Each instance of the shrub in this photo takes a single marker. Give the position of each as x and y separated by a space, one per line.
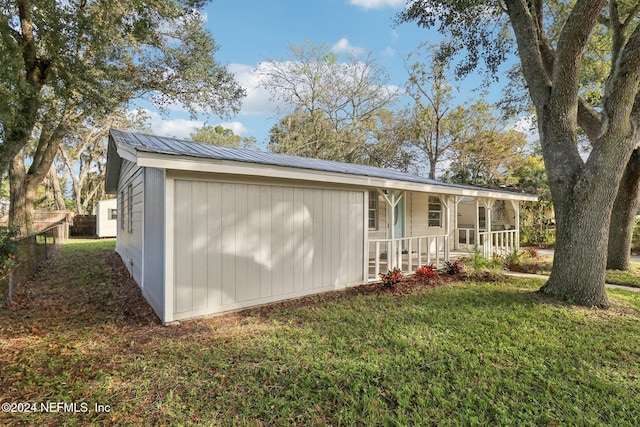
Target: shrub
391 278
8 248
453 268
426 273
531 252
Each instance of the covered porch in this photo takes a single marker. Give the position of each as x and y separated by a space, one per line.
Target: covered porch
409 229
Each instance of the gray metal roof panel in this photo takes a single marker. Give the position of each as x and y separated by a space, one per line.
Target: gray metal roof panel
172 146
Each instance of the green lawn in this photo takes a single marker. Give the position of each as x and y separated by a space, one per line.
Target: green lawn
626 278
542 265
460 354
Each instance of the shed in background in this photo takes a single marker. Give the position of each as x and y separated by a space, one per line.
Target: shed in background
107 218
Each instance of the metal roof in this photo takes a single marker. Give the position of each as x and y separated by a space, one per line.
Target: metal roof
175 147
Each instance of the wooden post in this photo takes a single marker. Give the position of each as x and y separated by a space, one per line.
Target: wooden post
10 287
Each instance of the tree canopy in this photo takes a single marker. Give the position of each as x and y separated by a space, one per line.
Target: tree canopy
552 54
334 102
64 61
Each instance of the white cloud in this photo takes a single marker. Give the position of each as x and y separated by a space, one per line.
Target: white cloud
258 99
377 4
343 46
183 128
237 127
394 35
178 128
388 51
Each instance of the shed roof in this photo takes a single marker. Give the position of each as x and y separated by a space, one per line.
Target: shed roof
138 145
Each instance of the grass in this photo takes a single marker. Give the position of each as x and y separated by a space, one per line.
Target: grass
625 278
542 265
463 354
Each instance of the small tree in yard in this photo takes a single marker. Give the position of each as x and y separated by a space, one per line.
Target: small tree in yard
583 191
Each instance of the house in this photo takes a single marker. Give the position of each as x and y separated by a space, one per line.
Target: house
205 229
107 218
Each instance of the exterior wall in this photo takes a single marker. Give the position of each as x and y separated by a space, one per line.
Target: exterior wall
237 245
153 286
416 220
129 241
106 227
418 216
381 232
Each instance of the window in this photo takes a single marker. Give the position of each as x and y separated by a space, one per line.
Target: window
121 210
373 210
130 205
112 214
482 218
435 212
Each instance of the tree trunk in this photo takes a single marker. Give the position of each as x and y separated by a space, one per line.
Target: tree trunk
623 216
432 167
23 196
580 253
583 204
57 191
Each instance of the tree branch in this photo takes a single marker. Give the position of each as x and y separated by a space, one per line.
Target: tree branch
533 67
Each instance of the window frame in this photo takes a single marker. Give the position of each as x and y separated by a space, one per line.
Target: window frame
375 209
130 205
122 209
431 213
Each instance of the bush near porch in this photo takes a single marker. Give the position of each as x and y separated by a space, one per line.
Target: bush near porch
470 353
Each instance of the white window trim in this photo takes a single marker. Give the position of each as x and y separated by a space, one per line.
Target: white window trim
130 206
429 211
373 197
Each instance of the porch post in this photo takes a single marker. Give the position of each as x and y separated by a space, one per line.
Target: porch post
456 232
476 224
488 213
392 219
516 222
446 200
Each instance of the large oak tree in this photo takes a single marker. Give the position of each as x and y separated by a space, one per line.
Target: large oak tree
64 61
583 191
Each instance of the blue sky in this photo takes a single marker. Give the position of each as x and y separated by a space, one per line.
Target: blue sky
251 31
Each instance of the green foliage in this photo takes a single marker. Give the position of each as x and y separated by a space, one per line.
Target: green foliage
217 135
65 62
478 267
538 228
487 154
635 240
8 249
625 278
474 26
453 268
391 278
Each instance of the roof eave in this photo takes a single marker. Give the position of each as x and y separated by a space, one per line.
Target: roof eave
231 167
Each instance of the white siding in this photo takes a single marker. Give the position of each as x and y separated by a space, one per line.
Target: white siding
129 244
238 245
154 239
418 215
106 227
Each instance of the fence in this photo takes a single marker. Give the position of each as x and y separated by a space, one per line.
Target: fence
84 225
31 252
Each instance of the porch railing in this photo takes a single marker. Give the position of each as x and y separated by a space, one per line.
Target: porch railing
406 253
499 242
